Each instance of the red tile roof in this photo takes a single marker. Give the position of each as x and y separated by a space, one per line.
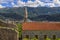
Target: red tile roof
41 26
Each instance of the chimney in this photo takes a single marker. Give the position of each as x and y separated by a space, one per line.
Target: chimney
26 15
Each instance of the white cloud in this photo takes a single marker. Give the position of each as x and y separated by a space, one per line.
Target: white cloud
40 3
36 3
20 3
32 4
53 3
2 6
56 1
29 4
14 5
3 1
50 4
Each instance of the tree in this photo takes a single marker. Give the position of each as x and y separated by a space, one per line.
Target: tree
19 29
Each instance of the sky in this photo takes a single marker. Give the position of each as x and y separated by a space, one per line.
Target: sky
29 3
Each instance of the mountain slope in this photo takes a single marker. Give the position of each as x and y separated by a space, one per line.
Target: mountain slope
35 14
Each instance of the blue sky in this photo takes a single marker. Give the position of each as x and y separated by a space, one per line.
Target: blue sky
24 0
27 0
34 0
31 3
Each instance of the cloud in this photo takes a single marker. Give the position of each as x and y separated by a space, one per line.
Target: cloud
50 4
32 4
2 6
36 3
14 5
7 3
3 1
29 4
46 3
40 3
20 3
57 3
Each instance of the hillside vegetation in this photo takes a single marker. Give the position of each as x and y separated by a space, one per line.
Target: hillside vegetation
34 14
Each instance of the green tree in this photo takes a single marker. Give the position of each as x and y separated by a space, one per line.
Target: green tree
19 29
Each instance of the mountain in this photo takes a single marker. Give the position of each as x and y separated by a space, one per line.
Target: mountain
54 17
13 16
34 13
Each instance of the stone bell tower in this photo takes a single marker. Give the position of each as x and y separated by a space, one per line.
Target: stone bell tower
26 15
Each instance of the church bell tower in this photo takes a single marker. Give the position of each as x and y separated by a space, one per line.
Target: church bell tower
26 15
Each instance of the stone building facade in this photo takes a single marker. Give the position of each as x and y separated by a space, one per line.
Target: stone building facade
8 32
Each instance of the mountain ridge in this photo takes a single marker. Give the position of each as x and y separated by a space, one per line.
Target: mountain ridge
16 13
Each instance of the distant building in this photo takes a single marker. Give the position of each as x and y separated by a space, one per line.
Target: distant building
41 28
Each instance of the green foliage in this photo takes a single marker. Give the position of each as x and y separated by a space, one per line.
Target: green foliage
19 29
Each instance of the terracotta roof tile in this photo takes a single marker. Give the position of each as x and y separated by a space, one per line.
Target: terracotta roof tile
41 26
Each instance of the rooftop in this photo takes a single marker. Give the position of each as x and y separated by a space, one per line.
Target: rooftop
41 26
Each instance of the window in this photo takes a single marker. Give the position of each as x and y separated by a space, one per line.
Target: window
54 37
36 36
27 36
45 36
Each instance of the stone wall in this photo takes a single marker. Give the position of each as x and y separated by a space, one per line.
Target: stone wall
41 34
8 34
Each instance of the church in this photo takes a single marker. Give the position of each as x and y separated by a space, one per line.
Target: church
41 29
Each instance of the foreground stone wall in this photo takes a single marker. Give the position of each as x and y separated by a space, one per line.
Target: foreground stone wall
8 34
41 34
